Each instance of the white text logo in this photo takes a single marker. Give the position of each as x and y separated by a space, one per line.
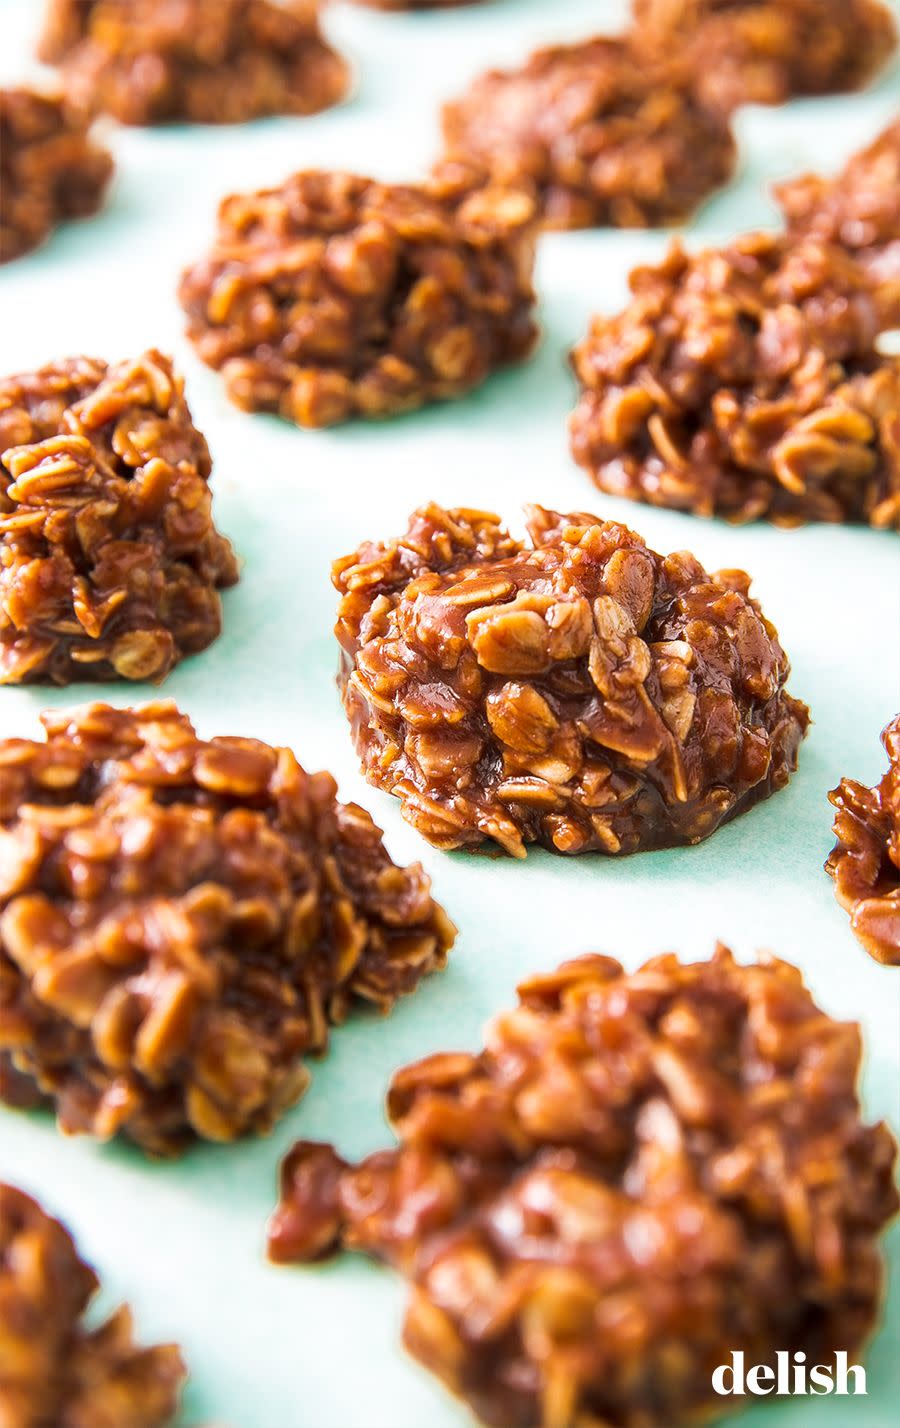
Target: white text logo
791 1375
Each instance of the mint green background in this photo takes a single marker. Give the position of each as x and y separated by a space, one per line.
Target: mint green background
184 1243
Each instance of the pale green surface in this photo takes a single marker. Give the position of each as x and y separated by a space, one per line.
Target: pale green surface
319 1348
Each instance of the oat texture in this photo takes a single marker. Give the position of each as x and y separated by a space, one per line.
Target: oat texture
865 861
180 922
768 51
601 137
746 382
51 169
110 562
638 1175
859 209
335 296
200 61
577 690
59 1366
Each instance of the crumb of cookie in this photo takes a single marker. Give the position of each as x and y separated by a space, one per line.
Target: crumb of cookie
51 169
110 563
640 1174
767 51
202 61
180 922
335 296
858 209
602 138
59 1366
745 382
865 861
576 690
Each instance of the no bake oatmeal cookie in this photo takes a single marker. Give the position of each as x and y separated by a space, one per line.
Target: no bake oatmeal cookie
599 136
767 51
51 169
745 382
181 920
336 296
576 690
865 861
640 1174
59 1366
859 209
110 563
202 61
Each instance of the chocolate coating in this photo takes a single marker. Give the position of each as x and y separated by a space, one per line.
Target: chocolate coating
577 690
181 920
638 1175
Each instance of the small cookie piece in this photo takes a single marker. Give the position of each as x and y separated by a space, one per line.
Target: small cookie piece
578 691
58 1367
110 564
200 61
865 861
180 922
51 169
859 209
336 296
767 51
745 382
639 1175
603 139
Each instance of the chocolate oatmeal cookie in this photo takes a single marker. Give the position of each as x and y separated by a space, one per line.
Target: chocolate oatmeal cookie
51 169
640 1174
202 61
576 690
180 922
745 382
865 861
336 296
767 51
859 209
110 563
600 137
59 1366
